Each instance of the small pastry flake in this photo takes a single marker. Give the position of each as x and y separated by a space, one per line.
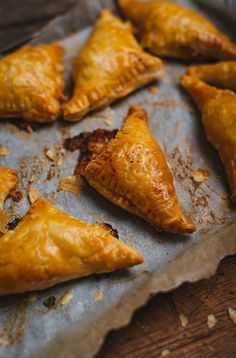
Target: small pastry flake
8 181
218 109
48 247
132 173
169 29
110 65
221 74
31 83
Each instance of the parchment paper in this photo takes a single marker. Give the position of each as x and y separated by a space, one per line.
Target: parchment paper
94 305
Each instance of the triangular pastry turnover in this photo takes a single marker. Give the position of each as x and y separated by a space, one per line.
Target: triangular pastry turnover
31 83
169 29
8 181
132 173
221 74
218 109
109 66
48 247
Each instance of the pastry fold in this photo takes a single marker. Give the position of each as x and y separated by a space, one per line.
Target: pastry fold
109 66
132 173
169 29
31 83
221 74
218 109
48 247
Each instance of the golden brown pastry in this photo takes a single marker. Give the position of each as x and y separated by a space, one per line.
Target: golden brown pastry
218 109
221 74
169 29
48 247
8 181
31 83
110 65
132 173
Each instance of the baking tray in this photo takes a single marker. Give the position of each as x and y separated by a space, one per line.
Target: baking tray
88 308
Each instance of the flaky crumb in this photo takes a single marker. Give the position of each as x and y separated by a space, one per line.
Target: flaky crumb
29 129
3 151
232 314
71 184
165 352
183 320
33 194
200 175
33 297
66 298
52 155
98 296
211 321
224 208
153 89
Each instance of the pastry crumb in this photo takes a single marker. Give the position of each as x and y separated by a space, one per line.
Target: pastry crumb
17 195
29 129
52 155
165 352
183 320
3 151
33 297
200 175
33 194
224 196
211 321
232 314
98 296
153 89
66 298
224 208
145 272
71 184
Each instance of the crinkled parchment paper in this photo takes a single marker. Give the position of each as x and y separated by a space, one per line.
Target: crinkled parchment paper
88 308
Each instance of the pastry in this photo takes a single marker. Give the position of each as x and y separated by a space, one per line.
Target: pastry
169 29
31 83
48 247
8 181
221 74
109 66
132 173
218 109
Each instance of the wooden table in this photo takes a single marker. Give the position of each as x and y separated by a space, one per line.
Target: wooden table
155 330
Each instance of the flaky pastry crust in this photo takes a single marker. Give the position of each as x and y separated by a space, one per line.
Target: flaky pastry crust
218 109
31 83
169 29
48 247
109 66
8 181
132 173
220 74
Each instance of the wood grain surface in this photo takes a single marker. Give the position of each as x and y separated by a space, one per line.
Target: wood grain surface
155 330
